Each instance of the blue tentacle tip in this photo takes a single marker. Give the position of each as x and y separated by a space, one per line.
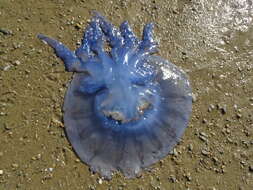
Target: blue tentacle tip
67 56
125 107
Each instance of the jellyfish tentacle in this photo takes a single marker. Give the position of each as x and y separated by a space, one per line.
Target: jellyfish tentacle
130 44
98 64
95 39
69 58
148 43
84 51
129 37
146 47
111 32
95 36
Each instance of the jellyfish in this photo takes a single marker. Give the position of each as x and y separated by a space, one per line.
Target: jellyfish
125 107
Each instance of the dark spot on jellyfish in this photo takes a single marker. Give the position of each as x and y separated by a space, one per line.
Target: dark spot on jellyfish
125 107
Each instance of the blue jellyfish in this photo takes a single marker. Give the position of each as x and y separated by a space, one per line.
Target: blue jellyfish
125 108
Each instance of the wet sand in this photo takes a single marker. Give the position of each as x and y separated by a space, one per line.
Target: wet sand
211 40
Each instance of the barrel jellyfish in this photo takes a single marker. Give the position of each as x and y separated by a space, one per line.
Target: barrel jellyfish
125 108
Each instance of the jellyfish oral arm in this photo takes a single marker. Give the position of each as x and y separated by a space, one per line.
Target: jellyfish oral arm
69 58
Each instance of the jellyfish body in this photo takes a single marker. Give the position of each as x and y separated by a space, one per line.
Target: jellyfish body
126 108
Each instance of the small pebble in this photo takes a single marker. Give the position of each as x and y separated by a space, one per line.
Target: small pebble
219 86
203 134
2 114
14 165
27 71
7 127
211 107
16 63
77 160
188 177
205 153
1 172
194 97
190 147
174 152
6 68
56 122
100 181
223 110
175 11
5 32
78 26
238 115
204 120
215 159
173 179
251 168
203 138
